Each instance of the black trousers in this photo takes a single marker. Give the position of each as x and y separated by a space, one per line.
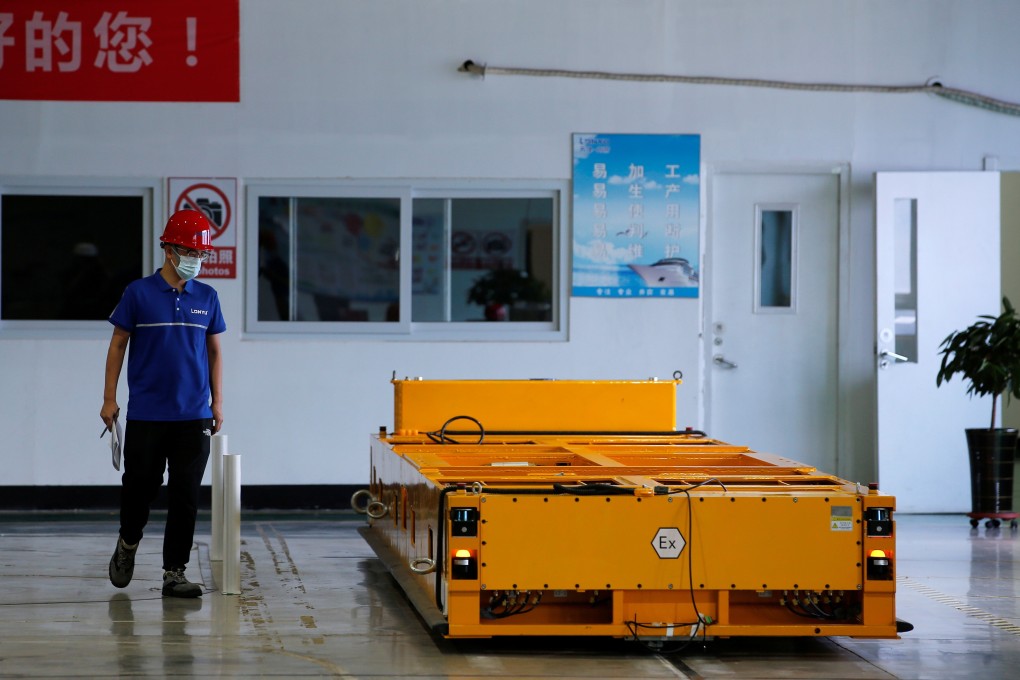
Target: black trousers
181 449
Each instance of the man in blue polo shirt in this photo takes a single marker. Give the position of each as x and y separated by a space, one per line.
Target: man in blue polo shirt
171 323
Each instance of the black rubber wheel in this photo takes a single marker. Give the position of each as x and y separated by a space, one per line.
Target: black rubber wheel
974 523
992 524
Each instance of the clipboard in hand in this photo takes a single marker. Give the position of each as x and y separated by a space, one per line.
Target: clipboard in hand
116 437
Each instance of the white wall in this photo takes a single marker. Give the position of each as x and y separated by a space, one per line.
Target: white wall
336 88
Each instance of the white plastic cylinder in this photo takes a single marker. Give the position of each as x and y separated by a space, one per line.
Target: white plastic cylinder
231 524
217 450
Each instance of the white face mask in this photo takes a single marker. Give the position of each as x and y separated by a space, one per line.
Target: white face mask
187 267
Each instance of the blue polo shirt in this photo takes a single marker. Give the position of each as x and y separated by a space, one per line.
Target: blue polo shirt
168 364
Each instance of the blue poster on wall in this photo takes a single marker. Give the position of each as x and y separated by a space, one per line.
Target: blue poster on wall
636 215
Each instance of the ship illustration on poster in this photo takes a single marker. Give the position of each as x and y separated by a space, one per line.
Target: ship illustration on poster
669 272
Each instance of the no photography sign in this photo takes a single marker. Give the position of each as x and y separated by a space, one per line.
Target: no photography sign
215 198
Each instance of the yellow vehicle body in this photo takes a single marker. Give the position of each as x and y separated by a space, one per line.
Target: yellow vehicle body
576 508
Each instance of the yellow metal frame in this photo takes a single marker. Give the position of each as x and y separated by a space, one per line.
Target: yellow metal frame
550 405
593 516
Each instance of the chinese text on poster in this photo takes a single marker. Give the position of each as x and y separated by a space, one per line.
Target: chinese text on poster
636 215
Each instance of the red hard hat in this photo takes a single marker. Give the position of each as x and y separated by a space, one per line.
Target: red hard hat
189 229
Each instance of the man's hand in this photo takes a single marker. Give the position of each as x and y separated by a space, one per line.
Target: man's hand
217 418
109 410
114 361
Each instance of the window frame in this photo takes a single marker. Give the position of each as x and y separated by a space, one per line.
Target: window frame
149 189
407 191
759 213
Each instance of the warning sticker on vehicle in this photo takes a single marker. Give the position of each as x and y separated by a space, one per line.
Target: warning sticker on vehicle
841 518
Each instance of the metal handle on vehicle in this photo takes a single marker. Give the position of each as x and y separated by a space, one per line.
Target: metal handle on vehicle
719 360
377 510
361 500
422 565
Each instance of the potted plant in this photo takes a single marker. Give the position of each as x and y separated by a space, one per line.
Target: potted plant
987 355
500 289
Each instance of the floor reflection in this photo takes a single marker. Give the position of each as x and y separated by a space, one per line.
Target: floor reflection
316 602
178 657
122 626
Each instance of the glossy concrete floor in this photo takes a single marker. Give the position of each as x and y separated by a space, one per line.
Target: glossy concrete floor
316 602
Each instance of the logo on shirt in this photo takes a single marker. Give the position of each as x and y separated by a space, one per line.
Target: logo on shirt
200 311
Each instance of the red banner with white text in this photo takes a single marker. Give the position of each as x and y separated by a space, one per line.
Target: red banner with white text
120 50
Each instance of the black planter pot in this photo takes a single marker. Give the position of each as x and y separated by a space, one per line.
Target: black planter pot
992 453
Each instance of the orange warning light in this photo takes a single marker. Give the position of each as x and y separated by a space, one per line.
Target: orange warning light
879 566
464 564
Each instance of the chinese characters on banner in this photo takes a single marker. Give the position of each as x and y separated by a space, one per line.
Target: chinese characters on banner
215 198
118 50
636 215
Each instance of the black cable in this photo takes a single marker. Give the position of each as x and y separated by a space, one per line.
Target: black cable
512 610
690 550
806 608
699 484
690 547
701 624
633 626
821 612
594 490
441 437
519 491
793 609
572 489
63 603
584 433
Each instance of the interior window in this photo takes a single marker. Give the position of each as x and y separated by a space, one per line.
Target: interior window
403 259
482 259
905 271
328 259
776 260
67 252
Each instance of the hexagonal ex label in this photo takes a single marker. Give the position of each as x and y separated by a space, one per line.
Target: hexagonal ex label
668 543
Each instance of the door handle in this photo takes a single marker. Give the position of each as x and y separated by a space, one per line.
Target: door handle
720 360
886 354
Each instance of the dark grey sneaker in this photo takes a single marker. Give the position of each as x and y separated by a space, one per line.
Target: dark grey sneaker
122 564
176 585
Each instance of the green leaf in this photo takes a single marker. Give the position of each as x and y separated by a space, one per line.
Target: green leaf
986 354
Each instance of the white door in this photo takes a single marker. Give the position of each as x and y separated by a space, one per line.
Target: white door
771 314
937 266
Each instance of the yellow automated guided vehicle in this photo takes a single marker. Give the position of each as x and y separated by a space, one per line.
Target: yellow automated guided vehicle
549 507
